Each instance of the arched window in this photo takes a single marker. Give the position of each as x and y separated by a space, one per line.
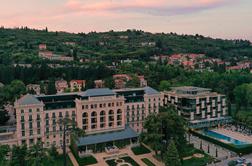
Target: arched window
94 120
119 115
111 118
102 119
119 111
85 120
93 113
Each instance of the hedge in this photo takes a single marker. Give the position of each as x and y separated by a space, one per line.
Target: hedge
83 160
139 150
239 150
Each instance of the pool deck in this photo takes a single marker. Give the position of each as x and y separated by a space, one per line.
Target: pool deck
233 134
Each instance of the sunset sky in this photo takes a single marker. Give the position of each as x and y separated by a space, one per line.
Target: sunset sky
216 18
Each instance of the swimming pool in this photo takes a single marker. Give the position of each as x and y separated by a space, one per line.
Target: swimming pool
224 138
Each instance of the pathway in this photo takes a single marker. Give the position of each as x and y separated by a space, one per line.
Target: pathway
101 162
72 158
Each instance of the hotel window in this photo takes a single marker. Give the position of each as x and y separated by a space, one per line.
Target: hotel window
38 110
30 110
100 105
23 133
109 104
31 132
60 115
119 123
83 107
92 106
38 132
47 130
112 104
85 120
38 117
53 115
23 142
22 119
119 114
67 114
47 122
93 117
22 111
47 116
86 106
54 129
22 126
31 141
30 117
30 125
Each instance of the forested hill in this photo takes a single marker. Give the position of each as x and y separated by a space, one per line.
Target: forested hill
21 45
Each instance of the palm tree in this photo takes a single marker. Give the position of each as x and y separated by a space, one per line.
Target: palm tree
37 155
69 126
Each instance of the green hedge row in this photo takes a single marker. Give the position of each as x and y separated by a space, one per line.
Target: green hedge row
246 149
84 160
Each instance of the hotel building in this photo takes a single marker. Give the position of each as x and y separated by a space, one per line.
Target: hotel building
199 106
113 115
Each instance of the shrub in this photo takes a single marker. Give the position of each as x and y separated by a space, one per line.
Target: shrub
140 150
148 162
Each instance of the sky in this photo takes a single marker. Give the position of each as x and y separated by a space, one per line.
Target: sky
229 19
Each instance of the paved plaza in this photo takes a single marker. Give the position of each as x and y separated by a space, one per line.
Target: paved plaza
126 151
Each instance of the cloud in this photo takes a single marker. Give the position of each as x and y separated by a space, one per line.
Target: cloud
152 7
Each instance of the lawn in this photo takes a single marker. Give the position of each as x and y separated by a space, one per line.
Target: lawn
59 161
87 160
140 150
189 150
126 159
197 161
147 162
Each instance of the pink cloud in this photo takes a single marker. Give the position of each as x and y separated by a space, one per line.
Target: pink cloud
155 7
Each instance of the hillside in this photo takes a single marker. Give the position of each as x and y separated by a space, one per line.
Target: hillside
21 45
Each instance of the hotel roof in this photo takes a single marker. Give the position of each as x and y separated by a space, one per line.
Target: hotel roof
28 100
190 88
107 137
98 92
148 90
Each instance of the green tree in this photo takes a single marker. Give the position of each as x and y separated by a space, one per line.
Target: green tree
164 85
134 82
153 135
19 156
172 156
51 87
37 155
4 150
4 117
53 152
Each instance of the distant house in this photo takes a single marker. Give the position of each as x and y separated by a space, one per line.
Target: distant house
119 84
148 44
33 87
188 64
61 86
42 47
123 37
77 85
121 80
142 81
70 43
99 84
46 54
